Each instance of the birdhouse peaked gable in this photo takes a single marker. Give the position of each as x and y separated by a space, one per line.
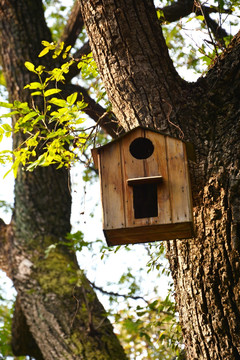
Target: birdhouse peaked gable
145 188
189 147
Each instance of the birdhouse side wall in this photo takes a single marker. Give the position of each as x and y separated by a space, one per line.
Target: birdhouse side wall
112 187
178 178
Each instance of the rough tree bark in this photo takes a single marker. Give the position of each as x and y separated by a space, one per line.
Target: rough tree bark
55 301
145 89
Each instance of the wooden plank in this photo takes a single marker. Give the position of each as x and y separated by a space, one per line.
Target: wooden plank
95 157
157 165
188 185
145 234
178 181
145 180
112 187
131 168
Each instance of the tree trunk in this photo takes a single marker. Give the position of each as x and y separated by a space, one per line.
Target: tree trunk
144 88
55 300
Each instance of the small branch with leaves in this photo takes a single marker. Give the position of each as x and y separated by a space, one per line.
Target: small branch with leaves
53 133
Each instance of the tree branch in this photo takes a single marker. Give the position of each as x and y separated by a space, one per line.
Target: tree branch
177 10
86 162
182 8
74 70
112 293
4 247
106 120
218 32
71 31
73 27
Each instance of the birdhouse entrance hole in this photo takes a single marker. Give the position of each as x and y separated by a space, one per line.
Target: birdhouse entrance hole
141 148
145 201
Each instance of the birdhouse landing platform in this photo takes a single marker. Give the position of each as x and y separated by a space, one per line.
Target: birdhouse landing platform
145 188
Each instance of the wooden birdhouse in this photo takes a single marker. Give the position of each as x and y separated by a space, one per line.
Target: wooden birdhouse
145 188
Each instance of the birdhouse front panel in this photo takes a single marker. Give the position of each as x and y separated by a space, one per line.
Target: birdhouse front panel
146 197
145 188
178 179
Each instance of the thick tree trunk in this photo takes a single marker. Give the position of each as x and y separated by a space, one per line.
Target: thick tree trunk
206 269
55 299
144 88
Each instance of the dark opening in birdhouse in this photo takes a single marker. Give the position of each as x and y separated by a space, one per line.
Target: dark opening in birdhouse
145 201
141 148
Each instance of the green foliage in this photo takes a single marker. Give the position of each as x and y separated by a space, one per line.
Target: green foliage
76 241
150 332
191 42
2 79
148 329
88 67
155 257
5 206
5 330
6 313
56 14
56 127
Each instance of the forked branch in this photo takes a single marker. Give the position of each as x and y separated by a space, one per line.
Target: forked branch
106 120
183 8
73 27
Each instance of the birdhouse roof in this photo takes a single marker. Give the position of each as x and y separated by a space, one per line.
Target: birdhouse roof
97 150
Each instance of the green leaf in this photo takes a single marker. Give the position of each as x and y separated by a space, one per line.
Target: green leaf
44 52
30 66
8 134
51 92
7 127
190 19
19 105
9 114
65 54
160 14
32 141
72 98
34 85
36 93
58 102
68 48
58 133
45 43
40 69
6 105
29 116
200 17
